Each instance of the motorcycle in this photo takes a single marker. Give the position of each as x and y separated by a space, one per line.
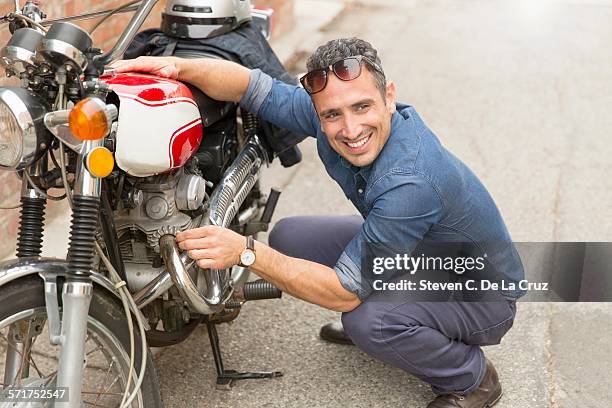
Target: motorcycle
133 157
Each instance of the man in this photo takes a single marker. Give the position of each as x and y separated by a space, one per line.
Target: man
408 188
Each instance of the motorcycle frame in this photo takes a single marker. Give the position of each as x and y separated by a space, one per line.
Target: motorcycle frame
69 329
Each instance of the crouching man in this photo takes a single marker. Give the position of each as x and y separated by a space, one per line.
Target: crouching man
407 187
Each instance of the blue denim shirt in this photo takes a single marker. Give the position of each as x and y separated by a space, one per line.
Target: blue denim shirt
414 191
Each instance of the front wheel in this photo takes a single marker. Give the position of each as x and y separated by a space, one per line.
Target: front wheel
29 360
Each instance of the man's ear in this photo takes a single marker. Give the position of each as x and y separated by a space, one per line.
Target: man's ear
390 97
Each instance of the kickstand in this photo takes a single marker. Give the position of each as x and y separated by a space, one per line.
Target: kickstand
225 378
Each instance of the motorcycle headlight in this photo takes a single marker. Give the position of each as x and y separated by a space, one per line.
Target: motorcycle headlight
22 129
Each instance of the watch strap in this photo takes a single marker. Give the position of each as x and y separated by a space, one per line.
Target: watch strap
250 246
250 243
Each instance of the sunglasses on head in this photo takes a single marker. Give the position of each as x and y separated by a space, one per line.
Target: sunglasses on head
345 69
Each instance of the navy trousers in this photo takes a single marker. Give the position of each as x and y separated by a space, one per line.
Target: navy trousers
438 342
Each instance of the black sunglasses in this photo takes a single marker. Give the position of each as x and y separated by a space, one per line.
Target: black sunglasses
345 69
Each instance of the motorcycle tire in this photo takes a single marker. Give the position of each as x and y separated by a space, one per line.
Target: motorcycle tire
27 294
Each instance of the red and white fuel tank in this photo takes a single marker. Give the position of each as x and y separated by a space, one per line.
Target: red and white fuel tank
160 126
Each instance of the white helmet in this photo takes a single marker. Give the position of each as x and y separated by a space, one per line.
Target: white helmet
204 18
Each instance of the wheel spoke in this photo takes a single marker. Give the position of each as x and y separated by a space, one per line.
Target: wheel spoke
104 376
110 366
31 357
105 392
32 362
43 354
95 404
93 350
51 377
9 344
25 357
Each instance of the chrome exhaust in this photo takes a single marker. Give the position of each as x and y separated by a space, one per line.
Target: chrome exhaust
154 289
208 303
236 184
226 200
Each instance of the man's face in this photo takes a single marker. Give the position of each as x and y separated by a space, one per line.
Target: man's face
355 116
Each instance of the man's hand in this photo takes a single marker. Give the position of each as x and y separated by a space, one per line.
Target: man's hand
219 79
212 247
165 67
219 248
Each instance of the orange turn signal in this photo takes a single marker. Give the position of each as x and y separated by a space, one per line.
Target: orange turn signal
100 162
88 120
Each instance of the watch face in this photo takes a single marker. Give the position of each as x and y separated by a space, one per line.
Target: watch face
247 257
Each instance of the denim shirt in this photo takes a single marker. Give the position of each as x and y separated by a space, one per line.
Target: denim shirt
414 191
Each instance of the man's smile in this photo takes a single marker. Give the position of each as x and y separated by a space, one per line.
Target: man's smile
359 145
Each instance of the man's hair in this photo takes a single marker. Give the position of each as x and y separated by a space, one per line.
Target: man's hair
340 48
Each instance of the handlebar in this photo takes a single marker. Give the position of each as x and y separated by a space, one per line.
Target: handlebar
126 37
128 34
86 16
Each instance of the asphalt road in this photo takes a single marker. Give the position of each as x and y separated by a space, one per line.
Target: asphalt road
521 91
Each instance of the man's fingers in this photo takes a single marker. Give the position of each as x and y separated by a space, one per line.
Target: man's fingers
121 63
206 263
153 65
196 233
169 71
123 66
191 234
194 243
138 64
197 254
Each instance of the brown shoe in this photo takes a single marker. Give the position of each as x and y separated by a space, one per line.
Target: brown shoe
334 333
486 395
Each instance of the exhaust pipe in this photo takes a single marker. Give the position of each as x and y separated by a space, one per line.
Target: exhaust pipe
208 303
238 181
226 200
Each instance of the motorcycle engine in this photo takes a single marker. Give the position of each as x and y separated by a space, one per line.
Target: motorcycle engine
151 208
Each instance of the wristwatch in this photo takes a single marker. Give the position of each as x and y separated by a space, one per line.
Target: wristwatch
247 257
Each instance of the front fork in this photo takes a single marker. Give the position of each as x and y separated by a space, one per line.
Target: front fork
78 288
29 244
76 297
70 330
